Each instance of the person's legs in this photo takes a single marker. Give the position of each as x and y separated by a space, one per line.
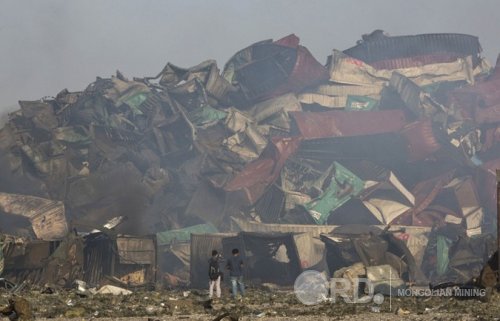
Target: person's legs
241 285
234 286
217 287
211 284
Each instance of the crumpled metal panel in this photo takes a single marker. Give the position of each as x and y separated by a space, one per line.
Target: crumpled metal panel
47 217
419 103
387 198
41 113
483 94
265 69
206 72
341 123
275 111
254 179
343 186
486 182
348 70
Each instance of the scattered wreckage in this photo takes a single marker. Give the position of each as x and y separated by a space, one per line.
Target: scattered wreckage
381 161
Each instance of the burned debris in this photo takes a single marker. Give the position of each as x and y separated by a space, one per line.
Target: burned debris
380 161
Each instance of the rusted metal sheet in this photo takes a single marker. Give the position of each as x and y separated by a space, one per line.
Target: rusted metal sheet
136 250
488 115
47 217
463 206
482 94
421 140
384 48
341 123
254 179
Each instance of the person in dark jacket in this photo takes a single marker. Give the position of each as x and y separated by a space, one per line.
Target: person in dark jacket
235 267
214 274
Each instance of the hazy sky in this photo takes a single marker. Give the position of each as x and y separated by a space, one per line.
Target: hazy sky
48 45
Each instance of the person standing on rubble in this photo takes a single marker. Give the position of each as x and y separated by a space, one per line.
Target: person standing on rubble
235 267
214 274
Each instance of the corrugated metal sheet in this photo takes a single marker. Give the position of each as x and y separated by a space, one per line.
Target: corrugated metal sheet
341 123
421 140
136 250
416 61
482 94
270 69
410 46
385 148
488 115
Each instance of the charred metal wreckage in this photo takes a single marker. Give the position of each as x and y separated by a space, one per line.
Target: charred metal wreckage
383 160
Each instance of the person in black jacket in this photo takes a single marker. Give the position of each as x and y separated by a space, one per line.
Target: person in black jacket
214 274
235 267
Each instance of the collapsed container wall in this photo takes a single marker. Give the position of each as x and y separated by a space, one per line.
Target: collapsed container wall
128 260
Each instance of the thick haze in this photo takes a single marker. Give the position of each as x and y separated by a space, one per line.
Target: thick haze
48 45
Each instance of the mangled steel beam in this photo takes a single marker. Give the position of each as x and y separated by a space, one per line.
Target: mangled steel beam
47 217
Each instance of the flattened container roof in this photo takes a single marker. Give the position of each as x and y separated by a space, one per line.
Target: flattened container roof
410 46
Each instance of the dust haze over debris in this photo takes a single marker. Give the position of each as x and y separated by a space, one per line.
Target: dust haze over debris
54 44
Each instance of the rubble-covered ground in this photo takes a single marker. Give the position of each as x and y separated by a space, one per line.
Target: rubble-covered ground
258 304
